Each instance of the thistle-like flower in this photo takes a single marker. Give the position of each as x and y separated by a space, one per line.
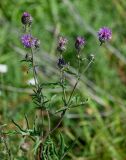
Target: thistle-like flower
79 43
62 44
26 19
28 41
104 34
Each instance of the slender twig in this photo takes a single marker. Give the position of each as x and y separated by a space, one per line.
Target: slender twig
88 66
73 91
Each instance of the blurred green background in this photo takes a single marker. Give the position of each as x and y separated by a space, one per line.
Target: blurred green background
101 124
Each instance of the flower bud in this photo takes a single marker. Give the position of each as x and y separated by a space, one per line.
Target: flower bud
62 44
61 63
79 43
37 43
26 19
91 57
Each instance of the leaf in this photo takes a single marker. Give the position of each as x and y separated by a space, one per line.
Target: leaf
22 130
68 149
62 146
53 149
37 144
53 97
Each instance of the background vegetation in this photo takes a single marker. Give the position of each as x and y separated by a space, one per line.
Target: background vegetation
101 124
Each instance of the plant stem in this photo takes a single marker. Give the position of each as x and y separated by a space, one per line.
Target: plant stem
78 58
67 103
34 70
49 122
58 124
62 80
73 91
40 148
88 66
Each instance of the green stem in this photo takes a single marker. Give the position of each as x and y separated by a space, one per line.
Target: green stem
88 66
62 85
78 57
34 71
62 79
49 124
67 103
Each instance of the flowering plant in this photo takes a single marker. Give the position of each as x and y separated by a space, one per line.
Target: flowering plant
42 132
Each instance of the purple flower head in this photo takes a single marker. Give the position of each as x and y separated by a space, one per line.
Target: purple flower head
62 44
28 41
104 34
79 43
26 18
